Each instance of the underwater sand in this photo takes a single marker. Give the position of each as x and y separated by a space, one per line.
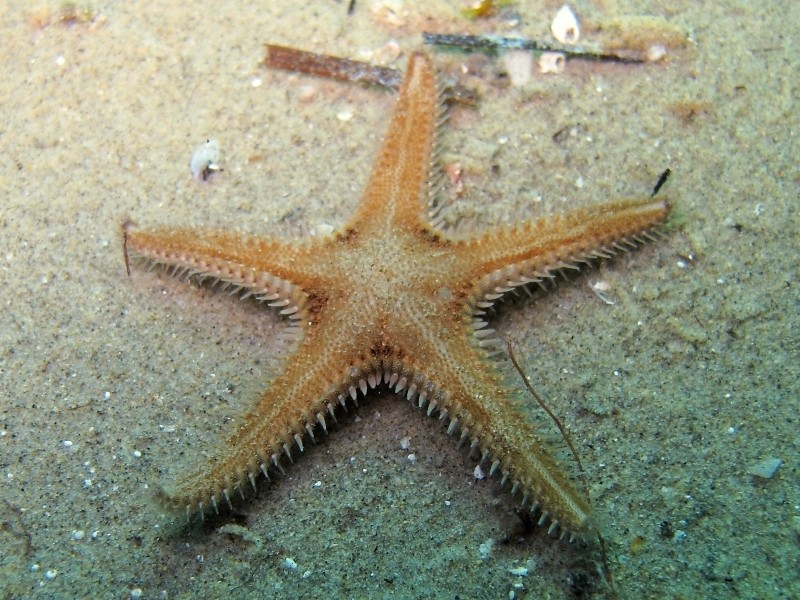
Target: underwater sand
110 385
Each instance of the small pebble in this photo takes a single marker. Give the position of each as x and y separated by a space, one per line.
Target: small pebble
601 286
387 54
50 574
412 458
766 468
323 229
307 93
290 564
77 534
485 549
478 473
136 593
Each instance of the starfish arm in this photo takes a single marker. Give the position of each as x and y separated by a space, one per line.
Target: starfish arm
296 405
451 374
401 184
272 271
533 251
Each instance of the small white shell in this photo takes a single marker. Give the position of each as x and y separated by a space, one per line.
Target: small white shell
205 160
565 26
345 114
552 62
656 52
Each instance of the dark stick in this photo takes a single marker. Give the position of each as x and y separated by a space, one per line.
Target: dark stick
501 43
661 181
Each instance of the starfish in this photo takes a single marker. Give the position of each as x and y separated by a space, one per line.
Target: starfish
392 299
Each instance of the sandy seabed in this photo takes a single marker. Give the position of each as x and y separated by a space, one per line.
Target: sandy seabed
111 384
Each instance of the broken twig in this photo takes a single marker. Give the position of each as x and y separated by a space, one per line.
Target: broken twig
345 69
661 181
332 67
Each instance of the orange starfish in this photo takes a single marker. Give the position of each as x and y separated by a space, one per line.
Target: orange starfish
390 299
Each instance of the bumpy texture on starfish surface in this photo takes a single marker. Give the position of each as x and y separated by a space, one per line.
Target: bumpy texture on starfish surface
392 299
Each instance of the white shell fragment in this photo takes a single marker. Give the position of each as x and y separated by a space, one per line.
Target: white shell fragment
205 160
565 26
656 52
600 288
552 62
519 65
